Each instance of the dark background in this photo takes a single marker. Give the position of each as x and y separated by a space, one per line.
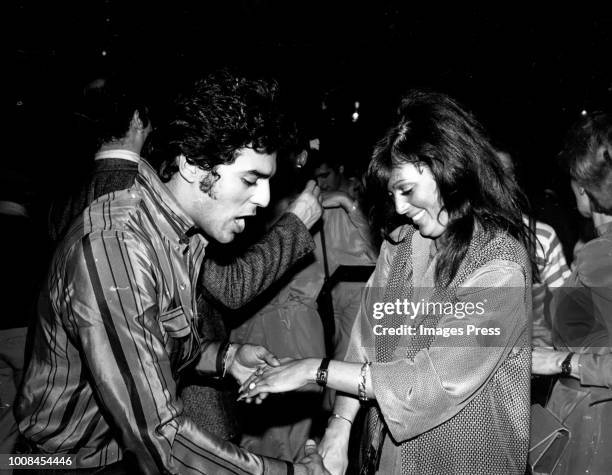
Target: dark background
526 75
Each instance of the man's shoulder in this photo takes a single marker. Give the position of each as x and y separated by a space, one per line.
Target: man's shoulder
118 216
118 211
113 210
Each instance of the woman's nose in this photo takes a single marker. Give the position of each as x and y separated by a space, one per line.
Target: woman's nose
401 205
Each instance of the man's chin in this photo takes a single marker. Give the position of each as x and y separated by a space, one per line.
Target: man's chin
226 238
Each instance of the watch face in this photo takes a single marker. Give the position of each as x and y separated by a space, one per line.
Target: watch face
322 377
566 365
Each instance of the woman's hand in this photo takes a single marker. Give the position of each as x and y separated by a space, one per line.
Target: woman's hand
547 361
334 446
244 360
289 376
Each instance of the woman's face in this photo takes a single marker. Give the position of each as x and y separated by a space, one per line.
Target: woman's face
582 200
415 194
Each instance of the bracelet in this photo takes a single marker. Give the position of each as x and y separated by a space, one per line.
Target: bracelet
338 416
361 388
566 365
221 357
321 378
226 358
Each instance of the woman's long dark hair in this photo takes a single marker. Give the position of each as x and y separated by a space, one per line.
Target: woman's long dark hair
434 131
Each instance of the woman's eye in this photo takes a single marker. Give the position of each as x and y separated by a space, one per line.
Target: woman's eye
407 191
249 183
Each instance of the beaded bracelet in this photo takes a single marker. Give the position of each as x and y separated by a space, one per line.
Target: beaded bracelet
361 388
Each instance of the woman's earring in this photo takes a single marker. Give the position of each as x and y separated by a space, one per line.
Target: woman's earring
581 191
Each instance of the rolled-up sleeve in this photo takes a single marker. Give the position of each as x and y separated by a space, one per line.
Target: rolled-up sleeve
115 319
416 395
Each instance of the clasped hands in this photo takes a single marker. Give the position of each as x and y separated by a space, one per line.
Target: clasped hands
288 375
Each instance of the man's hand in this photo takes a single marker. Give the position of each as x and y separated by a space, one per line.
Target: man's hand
312 463
246 359
334 446
307 206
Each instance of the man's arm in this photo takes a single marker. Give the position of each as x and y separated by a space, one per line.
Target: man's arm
237 283
115 320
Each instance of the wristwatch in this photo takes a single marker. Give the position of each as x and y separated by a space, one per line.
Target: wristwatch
566 365
322 372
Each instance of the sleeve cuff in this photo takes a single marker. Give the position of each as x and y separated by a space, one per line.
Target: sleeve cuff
302 237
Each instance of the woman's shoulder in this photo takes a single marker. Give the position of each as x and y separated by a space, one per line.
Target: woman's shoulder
497 273
487 246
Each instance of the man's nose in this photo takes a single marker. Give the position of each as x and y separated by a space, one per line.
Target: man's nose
261 197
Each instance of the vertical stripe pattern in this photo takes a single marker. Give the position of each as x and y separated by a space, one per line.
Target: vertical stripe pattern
116 324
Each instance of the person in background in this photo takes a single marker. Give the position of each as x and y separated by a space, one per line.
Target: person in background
348 240
22 275
117 115
552 269
582 309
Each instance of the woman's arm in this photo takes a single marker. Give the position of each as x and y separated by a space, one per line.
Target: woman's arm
291 375
334 445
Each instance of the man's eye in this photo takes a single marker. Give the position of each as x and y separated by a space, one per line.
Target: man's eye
248 182
406 191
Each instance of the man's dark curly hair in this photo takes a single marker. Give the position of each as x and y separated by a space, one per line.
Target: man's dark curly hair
218 116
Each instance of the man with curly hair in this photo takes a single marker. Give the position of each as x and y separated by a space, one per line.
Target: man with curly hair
118 320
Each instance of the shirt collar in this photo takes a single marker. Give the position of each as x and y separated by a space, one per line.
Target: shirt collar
168 214
118 153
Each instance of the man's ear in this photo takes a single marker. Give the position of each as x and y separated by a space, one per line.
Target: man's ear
190 173
136 122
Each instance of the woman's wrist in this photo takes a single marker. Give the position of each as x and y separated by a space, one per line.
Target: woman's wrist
563 363
575 366
338 430
312 369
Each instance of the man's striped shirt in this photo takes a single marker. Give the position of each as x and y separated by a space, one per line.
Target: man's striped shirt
116 325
